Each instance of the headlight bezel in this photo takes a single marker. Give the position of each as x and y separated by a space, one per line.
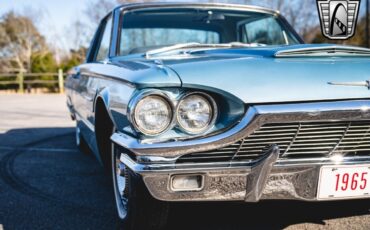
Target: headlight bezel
131 111
213 107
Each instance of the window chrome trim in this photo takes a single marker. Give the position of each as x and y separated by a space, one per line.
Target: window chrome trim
227 6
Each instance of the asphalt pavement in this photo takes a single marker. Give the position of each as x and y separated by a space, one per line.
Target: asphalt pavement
46 183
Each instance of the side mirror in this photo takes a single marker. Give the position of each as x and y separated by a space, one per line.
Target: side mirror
76 72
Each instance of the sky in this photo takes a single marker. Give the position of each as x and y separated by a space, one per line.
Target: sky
54 16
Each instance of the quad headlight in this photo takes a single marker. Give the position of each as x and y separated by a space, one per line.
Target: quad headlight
152 115
196 113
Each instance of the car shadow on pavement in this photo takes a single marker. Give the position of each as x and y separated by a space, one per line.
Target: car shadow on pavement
262 215
45 181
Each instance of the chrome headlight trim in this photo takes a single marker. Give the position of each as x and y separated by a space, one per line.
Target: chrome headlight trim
214 109
139 97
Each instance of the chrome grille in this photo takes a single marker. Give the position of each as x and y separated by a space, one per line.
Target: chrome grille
296 140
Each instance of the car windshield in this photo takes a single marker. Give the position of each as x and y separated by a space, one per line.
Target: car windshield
144 30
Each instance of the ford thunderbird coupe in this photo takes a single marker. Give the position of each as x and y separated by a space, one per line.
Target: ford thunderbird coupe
213 102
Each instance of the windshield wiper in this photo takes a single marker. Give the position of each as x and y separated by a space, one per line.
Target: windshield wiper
166 49
183 46
240 44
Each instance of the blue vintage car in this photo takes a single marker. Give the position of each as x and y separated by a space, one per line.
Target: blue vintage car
216 102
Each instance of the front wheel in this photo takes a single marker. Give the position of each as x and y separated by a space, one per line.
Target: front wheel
136 208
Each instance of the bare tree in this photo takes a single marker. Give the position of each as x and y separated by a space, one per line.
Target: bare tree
96 10
19 40
302 15
80 34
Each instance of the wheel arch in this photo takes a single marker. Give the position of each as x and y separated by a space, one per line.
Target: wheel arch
102 96
102 101
104 125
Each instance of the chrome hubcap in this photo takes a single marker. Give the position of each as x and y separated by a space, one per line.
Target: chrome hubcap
120 184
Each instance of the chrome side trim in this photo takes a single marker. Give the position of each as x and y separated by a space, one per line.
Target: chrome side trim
355 83
255 117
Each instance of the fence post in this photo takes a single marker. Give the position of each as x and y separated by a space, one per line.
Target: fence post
61 81
20 79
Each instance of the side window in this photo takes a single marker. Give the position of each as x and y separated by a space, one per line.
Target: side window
265 31
103 50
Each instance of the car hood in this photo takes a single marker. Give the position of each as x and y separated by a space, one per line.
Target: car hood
277 74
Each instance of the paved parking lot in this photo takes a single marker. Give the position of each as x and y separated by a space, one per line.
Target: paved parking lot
46 183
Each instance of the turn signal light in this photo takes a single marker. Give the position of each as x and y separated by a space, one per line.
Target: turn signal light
186 182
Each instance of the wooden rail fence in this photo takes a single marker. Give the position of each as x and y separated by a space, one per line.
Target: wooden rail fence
26 81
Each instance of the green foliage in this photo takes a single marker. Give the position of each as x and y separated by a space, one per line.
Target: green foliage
43 63
76 58
19 40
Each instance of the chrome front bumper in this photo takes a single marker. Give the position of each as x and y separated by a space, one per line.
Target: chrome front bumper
270 177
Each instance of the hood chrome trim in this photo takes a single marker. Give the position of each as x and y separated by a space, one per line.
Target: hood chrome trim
324 51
